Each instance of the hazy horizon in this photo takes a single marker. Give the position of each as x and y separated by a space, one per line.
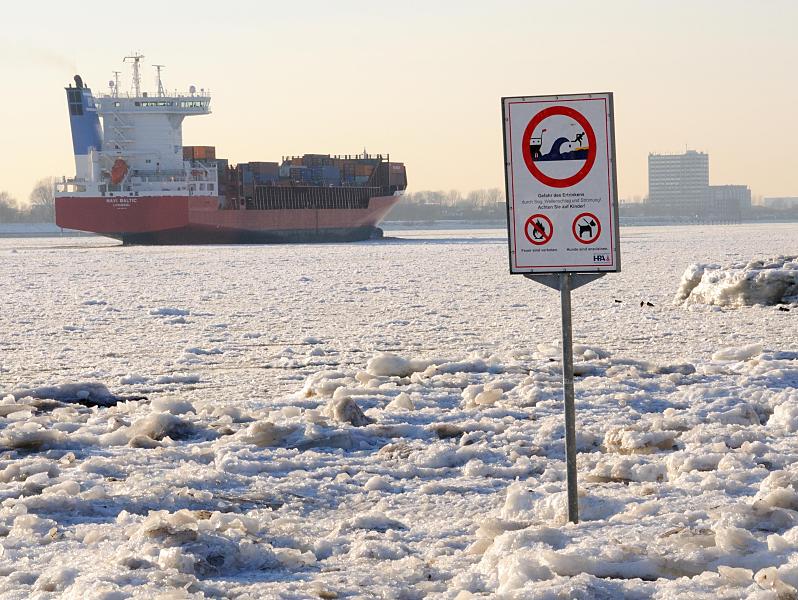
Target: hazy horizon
420 81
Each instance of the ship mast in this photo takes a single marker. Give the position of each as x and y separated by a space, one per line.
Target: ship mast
116 83
136 57
158 68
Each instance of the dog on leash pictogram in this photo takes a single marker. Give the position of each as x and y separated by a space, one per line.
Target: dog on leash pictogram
586 228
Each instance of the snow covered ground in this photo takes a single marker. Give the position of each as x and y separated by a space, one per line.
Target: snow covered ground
383 420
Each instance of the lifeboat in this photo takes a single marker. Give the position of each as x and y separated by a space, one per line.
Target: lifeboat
118 171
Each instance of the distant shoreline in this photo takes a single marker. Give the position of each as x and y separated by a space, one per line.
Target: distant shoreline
23 230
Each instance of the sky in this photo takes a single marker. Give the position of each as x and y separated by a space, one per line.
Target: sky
421 80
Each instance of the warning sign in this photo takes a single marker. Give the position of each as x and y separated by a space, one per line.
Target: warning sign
538 229
561 190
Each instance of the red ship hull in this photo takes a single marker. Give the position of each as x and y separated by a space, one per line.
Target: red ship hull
199 220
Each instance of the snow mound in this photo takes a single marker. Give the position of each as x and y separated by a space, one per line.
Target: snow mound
190 378
345 410
324 383
386 364
169 312
738 353
371 521
149 431
772 281
30 436
157 426
94 394
199 543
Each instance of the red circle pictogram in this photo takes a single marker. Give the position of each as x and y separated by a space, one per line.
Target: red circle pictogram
527 153
539 235
588 224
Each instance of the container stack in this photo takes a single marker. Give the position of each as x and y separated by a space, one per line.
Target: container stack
313 170
199 153
260 173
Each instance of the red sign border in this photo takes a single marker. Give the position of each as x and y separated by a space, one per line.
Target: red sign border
566 111
526 226
573 228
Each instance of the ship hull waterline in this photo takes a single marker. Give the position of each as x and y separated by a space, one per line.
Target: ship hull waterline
174 220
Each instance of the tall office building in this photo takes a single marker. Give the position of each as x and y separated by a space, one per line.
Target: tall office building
678 184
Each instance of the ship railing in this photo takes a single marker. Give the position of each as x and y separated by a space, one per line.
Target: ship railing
361 156
70 186
195 174
204 94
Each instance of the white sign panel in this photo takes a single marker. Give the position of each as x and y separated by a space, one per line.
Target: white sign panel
562 198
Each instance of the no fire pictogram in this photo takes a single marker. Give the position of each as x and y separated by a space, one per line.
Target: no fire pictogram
586 228
538 229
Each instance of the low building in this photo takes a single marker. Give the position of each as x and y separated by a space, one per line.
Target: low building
781 202
728 202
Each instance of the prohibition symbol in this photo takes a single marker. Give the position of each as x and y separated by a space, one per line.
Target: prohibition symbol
588 154
538 229
586 228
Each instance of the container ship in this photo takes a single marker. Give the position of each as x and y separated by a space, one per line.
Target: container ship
136 182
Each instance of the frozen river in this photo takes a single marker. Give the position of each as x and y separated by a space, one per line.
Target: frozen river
185 420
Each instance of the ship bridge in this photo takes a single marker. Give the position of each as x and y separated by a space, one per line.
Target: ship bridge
147 131
139 147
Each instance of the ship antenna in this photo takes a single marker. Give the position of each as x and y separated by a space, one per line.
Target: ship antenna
136 57
116 83
160 85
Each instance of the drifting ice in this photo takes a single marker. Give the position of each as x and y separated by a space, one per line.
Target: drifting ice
772 281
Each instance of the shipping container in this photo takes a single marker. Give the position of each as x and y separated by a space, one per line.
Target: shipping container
265 168
221 170
331 174
265 178
363 170
199 153
315 160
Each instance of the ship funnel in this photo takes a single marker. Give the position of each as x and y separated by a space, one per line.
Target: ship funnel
85 125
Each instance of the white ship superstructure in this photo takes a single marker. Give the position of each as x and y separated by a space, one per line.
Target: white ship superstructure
138 150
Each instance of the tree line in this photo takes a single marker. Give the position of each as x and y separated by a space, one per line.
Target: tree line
452 205
40 207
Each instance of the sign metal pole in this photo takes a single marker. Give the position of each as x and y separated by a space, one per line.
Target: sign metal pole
566 282
568 396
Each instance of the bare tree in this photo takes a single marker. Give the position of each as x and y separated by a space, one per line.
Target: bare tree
42 201
453 198
9 210
494 196
476 199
